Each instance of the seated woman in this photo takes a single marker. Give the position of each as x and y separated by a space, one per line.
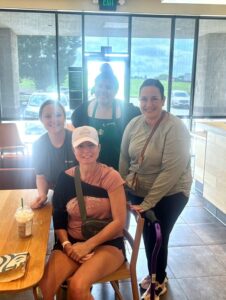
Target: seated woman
85 261
52 152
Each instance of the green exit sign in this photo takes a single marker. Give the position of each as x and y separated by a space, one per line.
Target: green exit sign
110 5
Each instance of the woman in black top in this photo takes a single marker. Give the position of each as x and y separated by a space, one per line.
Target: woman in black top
108 115
52 152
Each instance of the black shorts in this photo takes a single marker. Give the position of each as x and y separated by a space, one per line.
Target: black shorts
118 243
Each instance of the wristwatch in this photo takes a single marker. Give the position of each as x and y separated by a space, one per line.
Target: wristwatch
65 243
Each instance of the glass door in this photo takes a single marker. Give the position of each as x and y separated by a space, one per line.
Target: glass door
93 69
106 41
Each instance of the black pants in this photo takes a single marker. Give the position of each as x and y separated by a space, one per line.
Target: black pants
167 210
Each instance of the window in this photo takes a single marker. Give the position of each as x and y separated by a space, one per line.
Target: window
28 59
107 41
182 66
69 54
35 63
106 31
150 48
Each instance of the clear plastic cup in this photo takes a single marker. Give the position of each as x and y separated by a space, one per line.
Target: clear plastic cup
24 218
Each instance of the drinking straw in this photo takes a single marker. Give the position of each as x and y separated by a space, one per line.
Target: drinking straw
22 202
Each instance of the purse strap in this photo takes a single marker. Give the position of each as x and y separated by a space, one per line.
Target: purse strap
80 198
141 158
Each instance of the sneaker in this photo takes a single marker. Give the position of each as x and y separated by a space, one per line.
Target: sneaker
147 296
145 282
160 289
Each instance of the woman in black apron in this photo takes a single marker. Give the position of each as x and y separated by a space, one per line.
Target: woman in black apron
109 131
108 115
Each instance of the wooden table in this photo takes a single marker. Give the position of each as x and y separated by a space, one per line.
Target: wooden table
36 245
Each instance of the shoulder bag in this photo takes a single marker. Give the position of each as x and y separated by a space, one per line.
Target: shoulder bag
90 226
132 180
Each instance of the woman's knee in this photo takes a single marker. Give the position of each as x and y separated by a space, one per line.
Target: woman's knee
78 286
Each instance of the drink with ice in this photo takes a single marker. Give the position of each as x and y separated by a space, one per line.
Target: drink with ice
24 218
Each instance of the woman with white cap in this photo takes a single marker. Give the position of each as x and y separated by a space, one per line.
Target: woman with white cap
73 255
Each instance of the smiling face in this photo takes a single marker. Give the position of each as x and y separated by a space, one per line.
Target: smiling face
87 153
53 118
151 103
105 91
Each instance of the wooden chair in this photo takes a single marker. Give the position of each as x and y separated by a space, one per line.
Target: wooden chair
17 178
15 160
128 268
10 139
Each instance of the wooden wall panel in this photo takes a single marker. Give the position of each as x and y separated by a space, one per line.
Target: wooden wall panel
199 149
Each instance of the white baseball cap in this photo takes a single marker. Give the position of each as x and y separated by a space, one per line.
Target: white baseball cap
84 134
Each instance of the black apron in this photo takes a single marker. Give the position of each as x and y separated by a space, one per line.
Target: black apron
110 135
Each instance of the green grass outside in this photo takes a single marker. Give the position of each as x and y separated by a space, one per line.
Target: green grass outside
176 85
135 84
27 84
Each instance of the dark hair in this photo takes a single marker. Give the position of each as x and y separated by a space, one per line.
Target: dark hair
106 73
51 102
153 82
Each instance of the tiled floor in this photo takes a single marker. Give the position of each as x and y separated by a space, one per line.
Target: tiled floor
196 265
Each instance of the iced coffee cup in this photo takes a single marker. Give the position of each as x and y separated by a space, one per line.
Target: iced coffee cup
24 218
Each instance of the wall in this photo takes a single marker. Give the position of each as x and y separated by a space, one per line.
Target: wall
9 72
211 90
133 6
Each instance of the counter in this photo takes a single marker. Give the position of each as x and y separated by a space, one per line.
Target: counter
210 163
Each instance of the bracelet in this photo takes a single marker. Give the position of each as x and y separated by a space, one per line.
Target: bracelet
65 243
